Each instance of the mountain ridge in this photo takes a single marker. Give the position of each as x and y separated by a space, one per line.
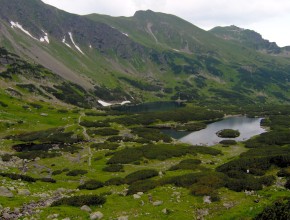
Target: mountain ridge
248 38
151 56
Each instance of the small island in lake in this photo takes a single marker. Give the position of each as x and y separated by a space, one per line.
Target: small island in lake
228 133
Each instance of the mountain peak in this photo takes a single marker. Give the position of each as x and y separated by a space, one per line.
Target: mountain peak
144 12
246 37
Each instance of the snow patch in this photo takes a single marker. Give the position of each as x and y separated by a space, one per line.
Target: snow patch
106 104
17 25
176 50
90 46
125 34
125 102
63 40
45 38
76 46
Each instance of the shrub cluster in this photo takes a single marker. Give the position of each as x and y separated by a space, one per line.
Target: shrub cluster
105 145
140 175
141 186
182 115
228 142
47 180
151 134
159 152
228 133
79 201
6 157
14 176
89 124
91 185
120 138
54 135
278 210
76 172
103 131
114 168
115 181
188 164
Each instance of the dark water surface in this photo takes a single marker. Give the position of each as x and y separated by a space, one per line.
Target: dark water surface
149 107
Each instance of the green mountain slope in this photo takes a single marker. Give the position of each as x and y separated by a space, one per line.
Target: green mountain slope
150 56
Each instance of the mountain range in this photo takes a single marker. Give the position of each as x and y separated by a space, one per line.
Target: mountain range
147 57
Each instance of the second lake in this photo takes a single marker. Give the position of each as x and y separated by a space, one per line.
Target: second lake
248 127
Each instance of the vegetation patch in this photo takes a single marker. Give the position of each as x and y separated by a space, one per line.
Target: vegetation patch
103 132
91 185
89 124
141 186
79 201
30 155
194 126
14 176
76 172
54 135
278 210
228 142
105 145
188 164
159 152
115 181
114 168
47 180
151 134
228 133
140 175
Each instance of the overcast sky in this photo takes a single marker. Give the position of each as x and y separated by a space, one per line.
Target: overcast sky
271 18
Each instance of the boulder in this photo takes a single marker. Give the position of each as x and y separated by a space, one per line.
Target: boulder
4 192
52 216
157 203
23 192
86 208
96 215
207 200
123 218
136 196
165 211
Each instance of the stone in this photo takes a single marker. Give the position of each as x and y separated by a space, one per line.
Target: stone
6 215
228 205
23 192
157 203
96 215
17 211
123 218
140 193
165 211
136 196
66 219
86 208
52 216
4 192
206 199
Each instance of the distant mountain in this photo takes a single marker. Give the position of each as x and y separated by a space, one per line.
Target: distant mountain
149 56
248 38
